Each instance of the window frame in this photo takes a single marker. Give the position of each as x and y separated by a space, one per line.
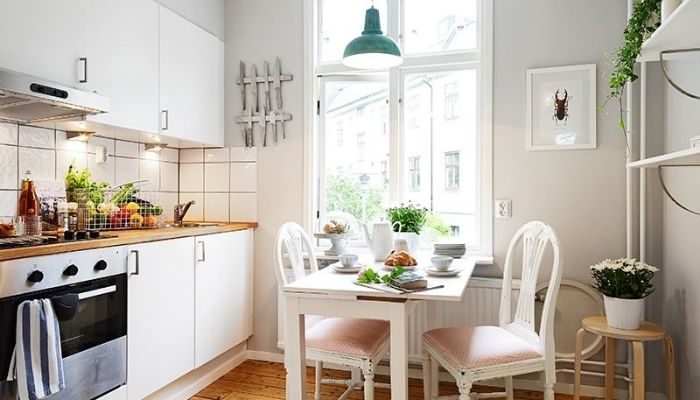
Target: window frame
454 186
480 58
414 168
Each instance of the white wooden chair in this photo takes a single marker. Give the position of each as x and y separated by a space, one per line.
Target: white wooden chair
358 343
514 347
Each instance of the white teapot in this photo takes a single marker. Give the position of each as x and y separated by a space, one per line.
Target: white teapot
381 240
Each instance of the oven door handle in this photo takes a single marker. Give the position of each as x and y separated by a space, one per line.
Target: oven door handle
97 292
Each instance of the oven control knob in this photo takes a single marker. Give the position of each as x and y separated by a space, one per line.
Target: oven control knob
101 265
35 276
71 270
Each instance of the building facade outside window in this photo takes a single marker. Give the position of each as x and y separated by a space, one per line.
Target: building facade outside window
414 171
452 171
451 101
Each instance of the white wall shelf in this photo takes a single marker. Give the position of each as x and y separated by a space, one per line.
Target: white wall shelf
682 157
680 31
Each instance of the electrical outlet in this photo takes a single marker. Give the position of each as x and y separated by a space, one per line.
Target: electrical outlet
101 155
504 208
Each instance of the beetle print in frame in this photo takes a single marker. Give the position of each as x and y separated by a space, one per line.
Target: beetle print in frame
561 108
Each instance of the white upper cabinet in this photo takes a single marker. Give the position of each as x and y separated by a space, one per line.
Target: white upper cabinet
191 81
44 38
122 61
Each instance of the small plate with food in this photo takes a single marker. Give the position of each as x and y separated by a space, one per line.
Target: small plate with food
400 259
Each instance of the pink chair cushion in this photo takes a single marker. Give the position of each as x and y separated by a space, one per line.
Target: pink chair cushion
348 336
478 347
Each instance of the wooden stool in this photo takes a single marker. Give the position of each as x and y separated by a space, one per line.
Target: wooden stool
647 332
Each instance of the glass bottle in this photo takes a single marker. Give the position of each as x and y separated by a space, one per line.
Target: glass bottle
28 204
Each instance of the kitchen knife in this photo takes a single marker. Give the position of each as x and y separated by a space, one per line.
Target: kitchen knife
273 121
262 121
268 100
278 85
254 87
242 81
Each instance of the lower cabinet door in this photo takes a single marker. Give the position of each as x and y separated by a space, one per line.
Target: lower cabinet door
223 293
160 314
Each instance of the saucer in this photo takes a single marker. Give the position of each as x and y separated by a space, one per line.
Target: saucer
450 272
338 267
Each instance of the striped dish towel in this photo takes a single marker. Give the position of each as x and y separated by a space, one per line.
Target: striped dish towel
37 363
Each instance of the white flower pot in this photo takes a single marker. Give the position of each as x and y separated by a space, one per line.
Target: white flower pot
624 313
412 240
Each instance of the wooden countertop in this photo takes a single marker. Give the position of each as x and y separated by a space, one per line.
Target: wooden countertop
124 237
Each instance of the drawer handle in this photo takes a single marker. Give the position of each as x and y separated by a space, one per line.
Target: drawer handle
83 62
201 245
164 120
137 262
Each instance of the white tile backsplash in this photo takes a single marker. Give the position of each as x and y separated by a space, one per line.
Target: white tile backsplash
216 155
8 167
244 177
40 162
196 212
69 145
31 136
126 149
191 155
127 170
171 155
243 154
243 207
169 177
149 170
170 200
216 207
216 177
8 133
191 177
8 202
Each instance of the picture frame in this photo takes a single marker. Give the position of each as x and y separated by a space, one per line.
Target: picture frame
561 121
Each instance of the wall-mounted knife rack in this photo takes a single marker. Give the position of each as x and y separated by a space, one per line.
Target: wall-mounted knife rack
267 113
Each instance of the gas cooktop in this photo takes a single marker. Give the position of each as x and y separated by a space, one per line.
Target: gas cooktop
30 241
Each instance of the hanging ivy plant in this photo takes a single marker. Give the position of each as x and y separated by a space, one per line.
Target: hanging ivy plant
645 19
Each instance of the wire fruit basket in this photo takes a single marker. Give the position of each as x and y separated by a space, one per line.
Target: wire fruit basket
128 206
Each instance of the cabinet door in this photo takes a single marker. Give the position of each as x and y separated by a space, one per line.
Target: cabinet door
160 331
122 61
191 81
223 294
43 38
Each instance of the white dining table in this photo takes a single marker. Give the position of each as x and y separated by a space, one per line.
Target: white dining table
334 294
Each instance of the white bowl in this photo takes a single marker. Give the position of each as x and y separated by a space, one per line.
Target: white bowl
348 260
441 263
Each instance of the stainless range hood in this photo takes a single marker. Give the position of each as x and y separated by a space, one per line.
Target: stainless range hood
25 99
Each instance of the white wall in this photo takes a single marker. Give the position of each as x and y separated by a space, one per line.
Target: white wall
207 14
681 278
580 193
255 32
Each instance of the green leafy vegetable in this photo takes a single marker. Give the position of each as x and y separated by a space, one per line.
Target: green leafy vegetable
411 217
125 192
79 185
371 276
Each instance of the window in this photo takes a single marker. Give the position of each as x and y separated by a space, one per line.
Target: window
452 171
361 146
339 133
414 133
414 171
451 99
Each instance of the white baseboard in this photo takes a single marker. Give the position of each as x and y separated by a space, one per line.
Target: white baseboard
524 384
190 384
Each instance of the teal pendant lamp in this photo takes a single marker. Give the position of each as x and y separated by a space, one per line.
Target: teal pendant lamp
372 50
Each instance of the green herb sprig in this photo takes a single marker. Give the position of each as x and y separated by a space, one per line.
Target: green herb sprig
371 276
411 217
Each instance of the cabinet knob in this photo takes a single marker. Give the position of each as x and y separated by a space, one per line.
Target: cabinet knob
101 265
35 276
71 270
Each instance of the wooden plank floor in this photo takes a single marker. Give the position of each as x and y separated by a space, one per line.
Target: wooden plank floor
260 380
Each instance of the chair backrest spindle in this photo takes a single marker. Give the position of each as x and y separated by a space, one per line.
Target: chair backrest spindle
293 241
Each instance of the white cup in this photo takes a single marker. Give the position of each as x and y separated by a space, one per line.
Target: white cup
348 260
441 263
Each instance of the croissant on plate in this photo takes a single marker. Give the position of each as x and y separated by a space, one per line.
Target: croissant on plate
400 258
7 230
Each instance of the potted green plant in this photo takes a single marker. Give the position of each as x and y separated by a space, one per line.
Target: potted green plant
645 19
408 219
625 283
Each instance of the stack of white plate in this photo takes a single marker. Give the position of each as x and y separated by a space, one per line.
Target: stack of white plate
455 250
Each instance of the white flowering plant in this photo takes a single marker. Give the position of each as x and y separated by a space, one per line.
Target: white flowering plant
624 278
